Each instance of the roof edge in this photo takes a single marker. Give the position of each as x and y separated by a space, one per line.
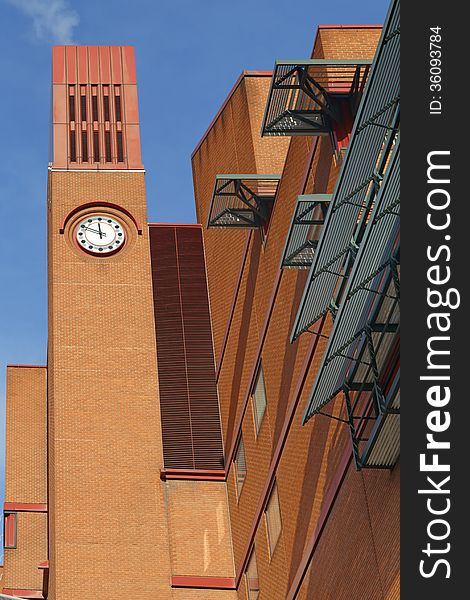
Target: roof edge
351 26
227 100
342 26
196 225
11 366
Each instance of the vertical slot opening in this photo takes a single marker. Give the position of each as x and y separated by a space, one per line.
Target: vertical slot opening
96 146
83 103
84 147
107 145
94 104
73 147
117 102
71 104
120 151
106 102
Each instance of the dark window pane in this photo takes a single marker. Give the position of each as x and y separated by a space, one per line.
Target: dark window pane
107 142
84 147
96 146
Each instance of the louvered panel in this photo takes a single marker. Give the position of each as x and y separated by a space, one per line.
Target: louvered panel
188 394
174 404
205 417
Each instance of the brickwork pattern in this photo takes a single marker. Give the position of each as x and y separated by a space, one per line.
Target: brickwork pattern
200 538
25 459
189 594
25 473
360 542
21 563
233 145
104 436
312 454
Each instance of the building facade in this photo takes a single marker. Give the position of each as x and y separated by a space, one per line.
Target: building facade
219 413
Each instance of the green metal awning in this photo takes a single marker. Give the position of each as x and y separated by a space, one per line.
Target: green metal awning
304 231
304 94
359 182
361 356
242 200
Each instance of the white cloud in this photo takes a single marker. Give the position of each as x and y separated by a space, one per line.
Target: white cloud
53 20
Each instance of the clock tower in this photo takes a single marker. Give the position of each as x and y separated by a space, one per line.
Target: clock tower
104 432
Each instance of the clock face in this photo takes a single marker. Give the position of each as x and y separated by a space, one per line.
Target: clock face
100 234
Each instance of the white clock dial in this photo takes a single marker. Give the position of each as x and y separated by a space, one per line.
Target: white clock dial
100 234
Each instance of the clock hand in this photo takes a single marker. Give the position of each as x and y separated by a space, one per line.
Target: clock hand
95 231
99 227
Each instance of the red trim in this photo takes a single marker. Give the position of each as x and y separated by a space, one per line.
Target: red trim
234 303
99 204
195 225
45 583
45 577
208 583
26 366
9 530
193 474
361 26
25 507
23 593
327 506
226 101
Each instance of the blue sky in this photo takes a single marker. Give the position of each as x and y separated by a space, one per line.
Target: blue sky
189 53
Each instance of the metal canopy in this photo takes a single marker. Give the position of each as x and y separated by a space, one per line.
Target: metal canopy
302 238
242 200
371 292
382 448
360 179
366 330
304 94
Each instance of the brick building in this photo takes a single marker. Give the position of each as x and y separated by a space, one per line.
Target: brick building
219 414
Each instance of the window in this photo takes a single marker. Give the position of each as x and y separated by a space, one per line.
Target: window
251 574
72 103
9 530
83 102
117 103
273 519
106 102
96 146
240 466
73 147
120 150
94 104
258 398
84 146
107 145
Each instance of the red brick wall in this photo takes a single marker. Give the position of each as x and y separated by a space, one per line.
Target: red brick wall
233 145
107 512
25 474
312 454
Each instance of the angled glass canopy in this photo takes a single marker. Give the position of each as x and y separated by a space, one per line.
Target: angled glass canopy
304 231
306 95
242 200
361 177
